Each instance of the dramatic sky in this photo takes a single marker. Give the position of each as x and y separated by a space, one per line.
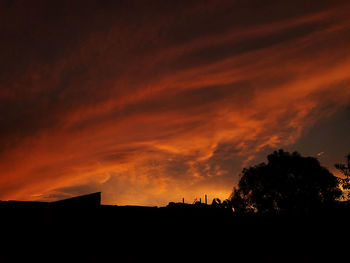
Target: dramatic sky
152 101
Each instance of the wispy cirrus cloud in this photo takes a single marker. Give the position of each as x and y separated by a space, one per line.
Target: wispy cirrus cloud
150 104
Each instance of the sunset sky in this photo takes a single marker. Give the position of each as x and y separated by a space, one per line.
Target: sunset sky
152 101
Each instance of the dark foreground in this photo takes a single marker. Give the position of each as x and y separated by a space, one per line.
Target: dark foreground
101 233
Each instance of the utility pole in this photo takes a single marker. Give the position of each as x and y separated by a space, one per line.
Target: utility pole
206 200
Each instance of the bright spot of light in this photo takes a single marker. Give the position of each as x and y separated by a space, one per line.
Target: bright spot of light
320 154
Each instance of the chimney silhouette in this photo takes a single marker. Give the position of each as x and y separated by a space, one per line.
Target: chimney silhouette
183 200
206 199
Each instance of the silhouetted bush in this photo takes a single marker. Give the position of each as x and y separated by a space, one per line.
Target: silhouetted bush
345 170
287 184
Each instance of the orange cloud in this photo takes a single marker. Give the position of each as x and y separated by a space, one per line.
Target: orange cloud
154 108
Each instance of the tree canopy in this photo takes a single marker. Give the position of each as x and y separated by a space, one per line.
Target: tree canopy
345 170
288 183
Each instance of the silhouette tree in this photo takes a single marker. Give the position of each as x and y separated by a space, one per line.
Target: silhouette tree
227 204
216 202
345 170
288 183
